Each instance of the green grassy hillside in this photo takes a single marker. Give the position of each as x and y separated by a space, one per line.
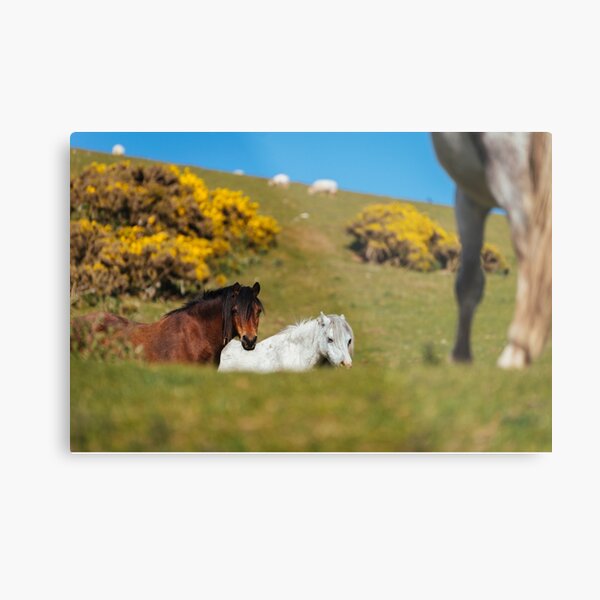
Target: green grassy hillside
402 394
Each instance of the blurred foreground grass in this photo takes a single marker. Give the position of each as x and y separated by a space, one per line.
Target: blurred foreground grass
131 407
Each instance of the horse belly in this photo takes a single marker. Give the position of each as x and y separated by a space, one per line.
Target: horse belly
462 160
145 335
159 345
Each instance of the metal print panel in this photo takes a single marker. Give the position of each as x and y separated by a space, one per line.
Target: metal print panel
311 292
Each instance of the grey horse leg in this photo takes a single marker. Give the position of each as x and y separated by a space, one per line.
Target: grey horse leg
470 280
516 352
525 193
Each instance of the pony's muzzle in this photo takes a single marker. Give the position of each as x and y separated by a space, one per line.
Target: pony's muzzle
248 343
347 364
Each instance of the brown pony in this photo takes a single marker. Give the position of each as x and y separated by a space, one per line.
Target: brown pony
196 332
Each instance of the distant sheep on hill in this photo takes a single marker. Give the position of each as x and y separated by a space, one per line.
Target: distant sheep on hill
118 150
327 186
280 180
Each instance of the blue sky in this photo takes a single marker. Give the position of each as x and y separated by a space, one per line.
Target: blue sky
392 164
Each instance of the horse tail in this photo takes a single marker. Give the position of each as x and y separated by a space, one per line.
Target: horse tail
539 301
85 327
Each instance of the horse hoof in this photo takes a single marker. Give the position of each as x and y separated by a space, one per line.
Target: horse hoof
461 359
513 357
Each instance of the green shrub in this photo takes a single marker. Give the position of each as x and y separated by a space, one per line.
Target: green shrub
399 234
157 231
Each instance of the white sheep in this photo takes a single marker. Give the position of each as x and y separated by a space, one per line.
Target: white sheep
280 180
118 150
327 186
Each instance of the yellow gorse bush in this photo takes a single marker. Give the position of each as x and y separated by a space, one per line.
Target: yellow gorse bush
401 235
148 230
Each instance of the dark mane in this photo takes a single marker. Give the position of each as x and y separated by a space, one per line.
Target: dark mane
245 300
211 294
206 295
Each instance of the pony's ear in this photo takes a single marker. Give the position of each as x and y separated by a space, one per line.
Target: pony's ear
256 289
236 288
323 319
343 317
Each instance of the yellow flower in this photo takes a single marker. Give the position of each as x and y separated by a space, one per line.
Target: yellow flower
398 232
182 233
99 167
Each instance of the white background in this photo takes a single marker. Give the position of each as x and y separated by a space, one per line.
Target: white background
195 526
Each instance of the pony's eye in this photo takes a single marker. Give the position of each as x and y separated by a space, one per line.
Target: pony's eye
234 311
330 340
349 341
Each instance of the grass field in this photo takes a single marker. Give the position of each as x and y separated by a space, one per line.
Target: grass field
402 393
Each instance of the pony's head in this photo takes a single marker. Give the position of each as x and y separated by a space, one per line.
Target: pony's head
241 314
336 339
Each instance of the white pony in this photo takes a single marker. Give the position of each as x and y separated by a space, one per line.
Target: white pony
280 180
328 186
300 347
513 171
